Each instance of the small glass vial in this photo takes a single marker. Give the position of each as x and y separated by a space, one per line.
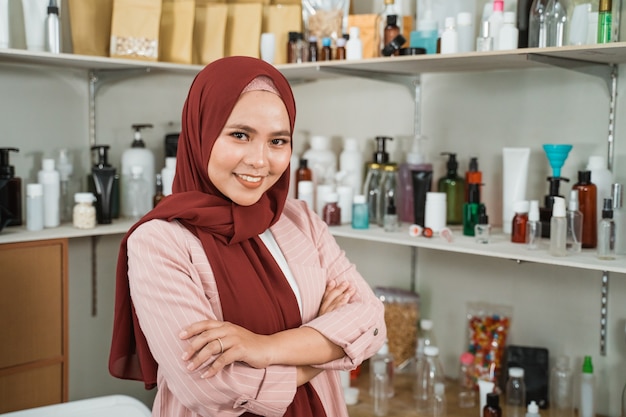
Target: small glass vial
313 52
519 222
482 230
360 212
533 227
84 213
390 220
331 213
606 232
326 53
34 207
340 50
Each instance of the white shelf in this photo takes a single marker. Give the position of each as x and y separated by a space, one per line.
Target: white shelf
499 247
613 53
13 234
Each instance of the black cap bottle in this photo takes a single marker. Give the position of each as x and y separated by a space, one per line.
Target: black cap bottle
10 191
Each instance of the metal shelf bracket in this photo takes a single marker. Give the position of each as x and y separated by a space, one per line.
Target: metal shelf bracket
604 312
606 72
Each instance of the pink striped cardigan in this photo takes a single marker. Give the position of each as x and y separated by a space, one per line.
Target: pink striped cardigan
172 286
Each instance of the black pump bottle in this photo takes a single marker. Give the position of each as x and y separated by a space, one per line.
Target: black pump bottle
10 191
102 183
545 212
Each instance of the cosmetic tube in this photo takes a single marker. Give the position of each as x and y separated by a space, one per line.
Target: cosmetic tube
515 174
422 181
35 15
5 37
484 388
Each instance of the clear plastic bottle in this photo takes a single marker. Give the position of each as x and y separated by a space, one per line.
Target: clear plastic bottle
515 393
467 388
428 374
380 388
538 24
440 409
557 23
606 232
561 386
573 241
509 33
425 337
135 196
587 406
371 189
558 228
387 359
84 213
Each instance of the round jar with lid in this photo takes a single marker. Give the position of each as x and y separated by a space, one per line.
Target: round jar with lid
84 214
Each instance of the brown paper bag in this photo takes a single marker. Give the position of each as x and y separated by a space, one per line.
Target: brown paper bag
299 2
176 32
243 29
90 23
368 27
248 1
135 29
209 31
280 20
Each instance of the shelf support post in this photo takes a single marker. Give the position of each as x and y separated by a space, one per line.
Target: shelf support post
604 311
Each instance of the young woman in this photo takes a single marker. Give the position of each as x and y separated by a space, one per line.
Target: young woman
231 298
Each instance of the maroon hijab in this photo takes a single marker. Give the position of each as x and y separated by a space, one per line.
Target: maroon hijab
254 292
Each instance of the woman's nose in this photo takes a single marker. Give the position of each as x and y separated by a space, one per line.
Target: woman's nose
256 156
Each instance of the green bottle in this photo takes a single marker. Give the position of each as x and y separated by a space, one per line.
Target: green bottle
471 209
454 187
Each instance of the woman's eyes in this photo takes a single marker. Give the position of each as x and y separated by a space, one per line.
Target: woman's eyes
279 142
275 141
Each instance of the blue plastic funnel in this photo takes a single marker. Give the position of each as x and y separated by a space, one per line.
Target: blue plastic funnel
557 154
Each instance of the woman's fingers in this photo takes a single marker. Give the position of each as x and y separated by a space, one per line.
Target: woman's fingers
335 296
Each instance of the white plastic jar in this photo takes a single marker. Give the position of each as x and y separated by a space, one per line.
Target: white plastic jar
84 214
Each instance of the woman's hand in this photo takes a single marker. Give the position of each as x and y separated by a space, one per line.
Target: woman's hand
231 343
335 296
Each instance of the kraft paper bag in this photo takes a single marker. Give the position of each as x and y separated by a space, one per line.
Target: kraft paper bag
298 2
243 29
280 20
90 23
209 31
368 27
176 33
135 29
248 1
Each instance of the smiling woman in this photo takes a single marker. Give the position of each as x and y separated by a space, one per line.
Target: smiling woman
231 298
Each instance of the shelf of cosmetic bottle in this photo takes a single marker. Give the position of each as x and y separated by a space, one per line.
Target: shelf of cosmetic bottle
13 234
612 53
499 246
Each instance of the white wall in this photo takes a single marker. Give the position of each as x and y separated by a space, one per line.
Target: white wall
474 114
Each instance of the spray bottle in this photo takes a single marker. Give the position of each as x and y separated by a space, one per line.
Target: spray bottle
415 165
373 177
136 155
10 191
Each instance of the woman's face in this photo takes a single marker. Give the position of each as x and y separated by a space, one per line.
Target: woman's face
253 150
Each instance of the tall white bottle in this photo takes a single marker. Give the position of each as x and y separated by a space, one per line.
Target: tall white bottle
167 174
450 37
587 406
321 160
137 155
50 179
351 165
509 34
496 20
354 46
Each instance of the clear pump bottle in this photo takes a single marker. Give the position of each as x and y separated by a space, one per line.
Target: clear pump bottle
557 22
533 227
574 224
136 194
538 24
606 232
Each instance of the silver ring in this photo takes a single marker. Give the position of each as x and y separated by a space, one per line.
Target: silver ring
221 345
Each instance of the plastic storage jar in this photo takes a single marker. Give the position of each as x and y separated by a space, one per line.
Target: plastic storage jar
402 316
84 214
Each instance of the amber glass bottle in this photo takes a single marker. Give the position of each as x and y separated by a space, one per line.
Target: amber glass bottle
587 204
519 222
303 173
